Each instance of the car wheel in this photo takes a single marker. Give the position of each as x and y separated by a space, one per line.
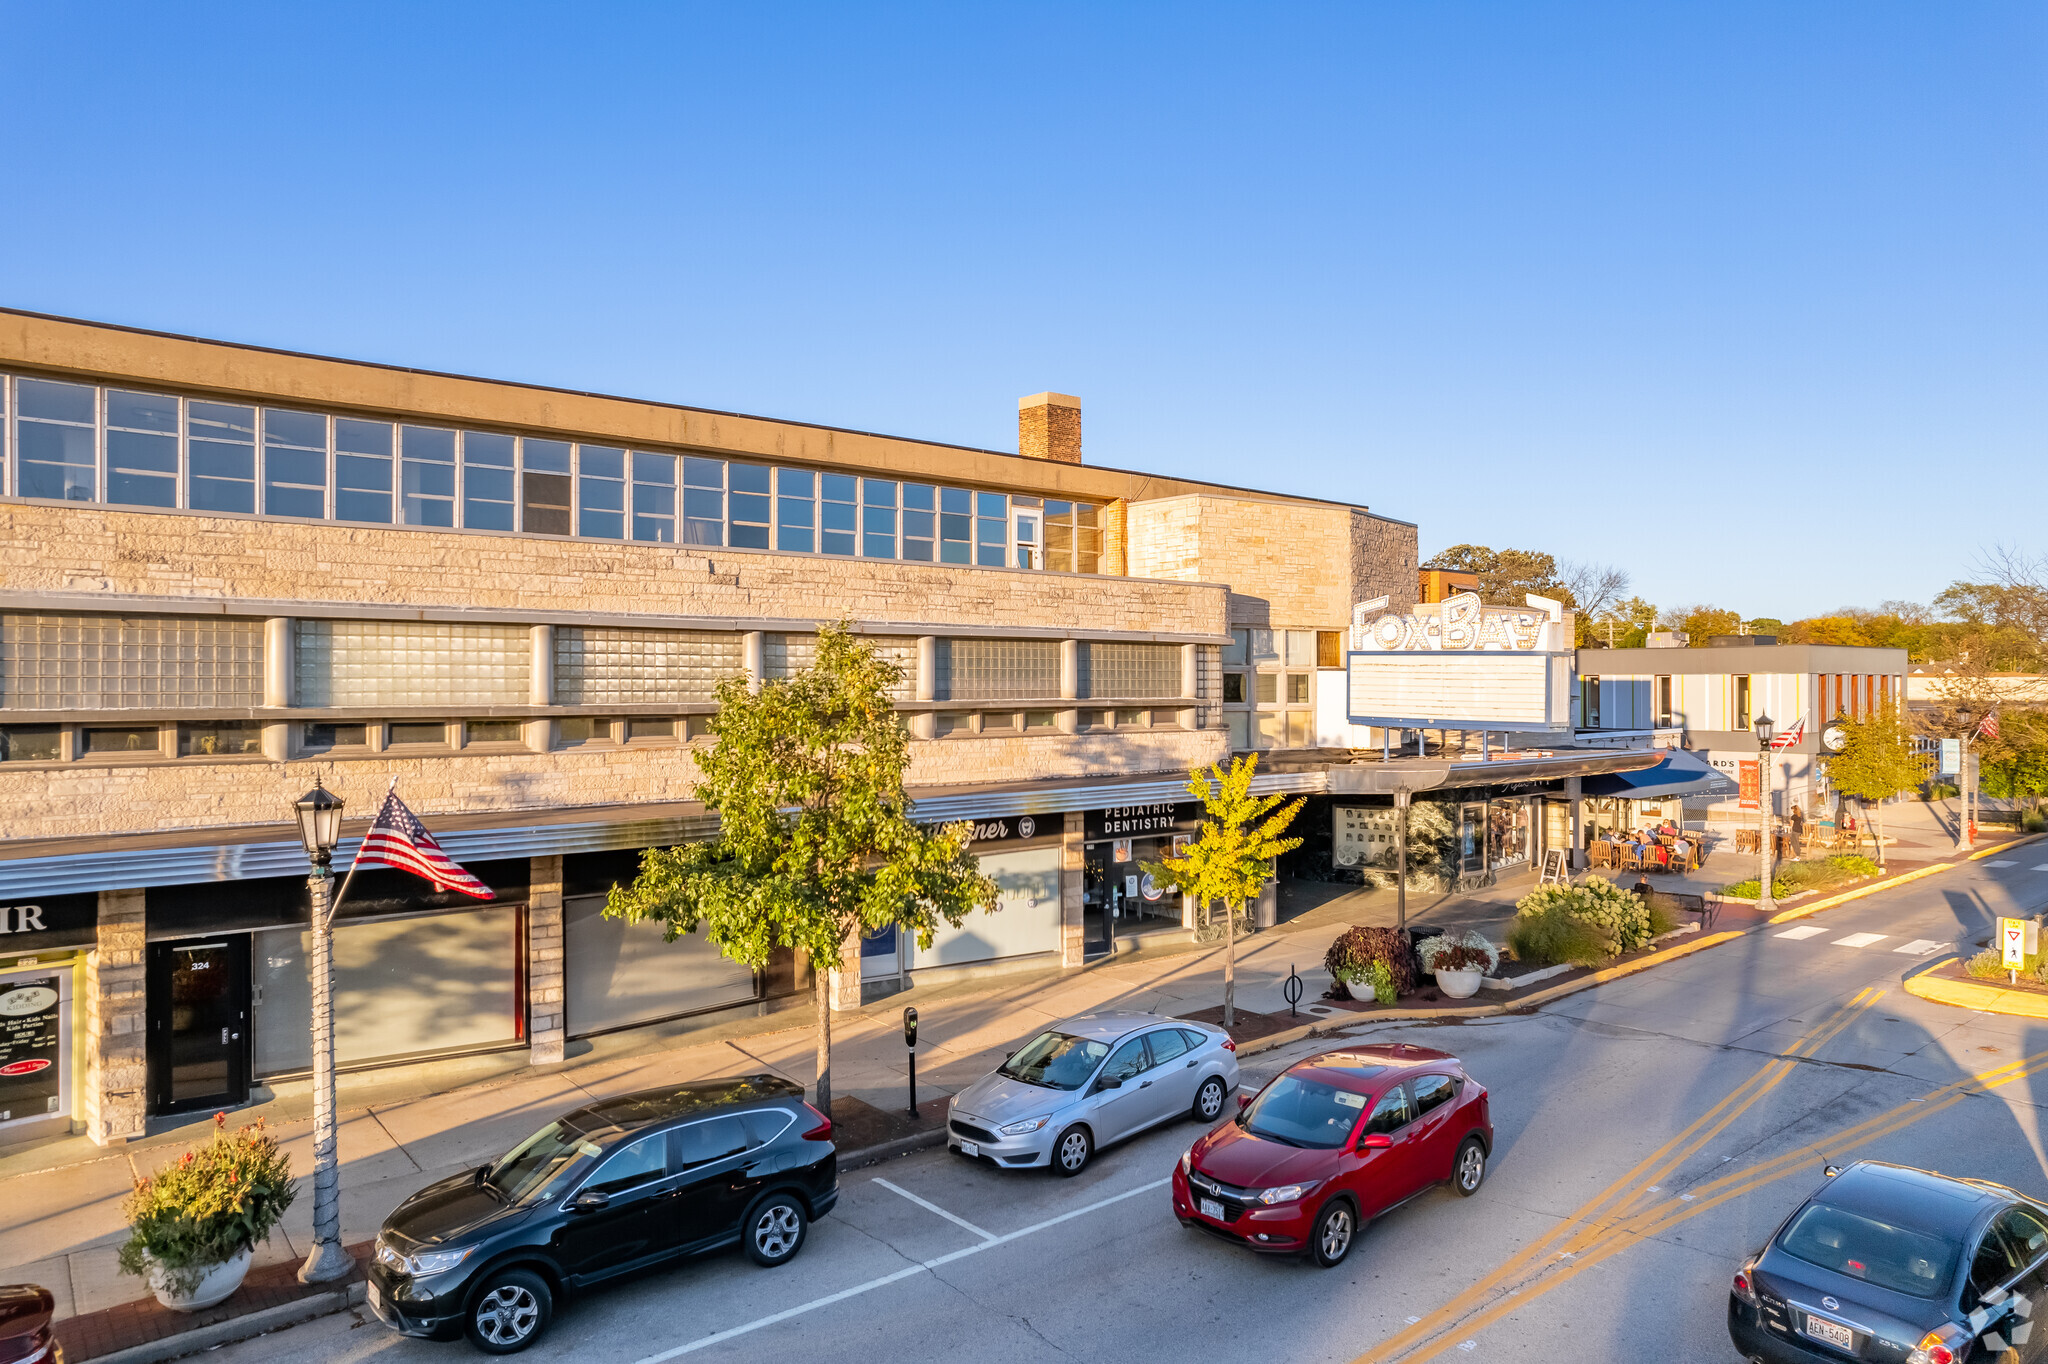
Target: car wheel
1470 1171
510 1313
1209 1099
775 1230
1070 1153
1336 1226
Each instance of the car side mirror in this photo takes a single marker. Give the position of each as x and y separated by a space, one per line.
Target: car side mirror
590 1200
1110 1082
1830 1171
1375 1141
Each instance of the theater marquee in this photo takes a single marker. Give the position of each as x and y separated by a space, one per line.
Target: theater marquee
1461 664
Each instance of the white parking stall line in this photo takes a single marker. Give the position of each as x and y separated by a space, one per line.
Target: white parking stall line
1921 947
704 1342
2042 867
1859 940
929 1206
1803 931
2005 864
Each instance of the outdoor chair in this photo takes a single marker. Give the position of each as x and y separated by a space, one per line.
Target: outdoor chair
1599 854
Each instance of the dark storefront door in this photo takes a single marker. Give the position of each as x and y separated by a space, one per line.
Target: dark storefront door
198 1024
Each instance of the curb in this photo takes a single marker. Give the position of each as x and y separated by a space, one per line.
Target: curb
1981 996
1859 892
234 1328
2001 847
894 1147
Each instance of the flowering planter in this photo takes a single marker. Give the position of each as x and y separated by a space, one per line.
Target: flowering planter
1460 984
213 1285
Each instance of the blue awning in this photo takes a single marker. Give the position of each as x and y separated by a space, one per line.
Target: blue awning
1680 774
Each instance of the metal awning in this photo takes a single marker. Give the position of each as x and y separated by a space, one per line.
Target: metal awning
1681 774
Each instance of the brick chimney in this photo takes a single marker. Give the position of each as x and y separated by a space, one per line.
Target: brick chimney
1049 427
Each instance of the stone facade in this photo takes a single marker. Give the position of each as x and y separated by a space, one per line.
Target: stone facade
1290 565
115 1032
546 1010
90 551
1049 427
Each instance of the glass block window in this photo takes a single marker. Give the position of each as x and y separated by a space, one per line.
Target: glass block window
294 463
427 480
142 449
991 529
998 669
412 663
487 474
220 455
54 440
703 501
747 505
1141 670
601 492
654 497
597 666
544 489
920 522
956 526
362 470
837 511
796 504
117 663
784 656
1209 685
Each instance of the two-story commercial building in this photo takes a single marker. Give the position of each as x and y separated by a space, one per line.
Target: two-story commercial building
226 572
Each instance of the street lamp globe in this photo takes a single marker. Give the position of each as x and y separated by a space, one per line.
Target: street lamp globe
1765 728
319 812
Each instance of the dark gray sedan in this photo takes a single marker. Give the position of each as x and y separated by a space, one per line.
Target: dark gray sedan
1907 1266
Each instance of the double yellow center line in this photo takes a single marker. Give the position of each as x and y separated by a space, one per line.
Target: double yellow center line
1600 1217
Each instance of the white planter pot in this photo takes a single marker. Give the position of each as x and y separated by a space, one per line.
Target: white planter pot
1460 984
212 1287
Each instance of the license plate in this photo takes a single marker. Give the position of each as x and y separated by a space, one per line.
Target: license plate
1211 1208
970 1148
1840 1337
375 1295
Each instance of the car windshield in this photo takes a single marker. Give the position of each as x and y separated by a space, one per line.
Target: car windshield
1303 1112
539 1166
1898 1258
1056 1061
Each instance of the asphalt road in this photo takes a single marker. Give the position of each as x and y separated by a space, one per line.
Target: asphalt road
1651 1133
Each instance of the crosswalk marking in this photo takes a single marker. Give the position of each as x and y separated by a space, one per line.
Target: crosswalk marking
2042 867
2005 864
1920 947
1803 931
1859 940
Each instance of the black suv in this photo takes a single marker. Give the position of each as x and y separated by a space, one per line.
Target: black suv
603 1191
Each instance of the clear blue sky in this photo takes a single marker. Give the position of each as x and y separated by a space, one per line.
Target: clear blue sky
1747 299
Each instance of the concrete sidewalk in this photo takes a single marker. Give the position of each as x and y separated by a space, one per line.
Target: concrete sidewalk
60 1220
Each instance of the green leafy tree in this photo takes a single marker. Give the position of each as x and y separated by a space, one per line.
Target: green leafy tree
815 845
1877 764
2016 763
1624 625
1701 623
1505 575
1232 857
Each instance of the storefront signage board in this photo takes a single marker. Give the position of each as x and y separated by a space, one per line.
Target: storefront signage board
49 922
1461 665
1016 828
1362 835
1127 821
1752 786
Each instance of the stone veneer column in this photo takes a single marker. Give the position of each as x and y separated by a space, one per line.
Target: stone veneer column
546 1016
844 986
1116 539
116 1032
1073 928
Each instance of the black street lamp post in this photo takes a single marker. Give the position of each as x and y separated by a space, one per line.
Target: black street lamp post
1765 729
319 812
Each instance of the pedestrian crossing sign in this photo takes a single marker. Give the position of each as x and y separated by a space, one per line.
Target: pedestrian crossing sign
2019 939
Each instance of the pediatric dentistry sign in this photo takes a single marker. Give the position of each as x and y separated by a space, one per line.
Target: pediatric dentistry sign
1460 664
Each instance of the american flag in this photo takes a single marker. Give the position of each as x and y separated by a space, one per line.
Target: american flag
1789 737
398 839
1989 728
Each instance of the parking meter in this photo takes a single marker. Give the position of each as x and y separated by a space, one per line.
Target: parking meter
910 1041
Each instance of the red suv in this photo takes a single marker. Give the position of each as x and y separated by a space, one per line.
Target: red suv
1333 1142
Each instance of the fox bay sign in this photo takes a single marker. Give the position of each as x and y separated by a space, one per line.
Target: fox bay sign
1460 664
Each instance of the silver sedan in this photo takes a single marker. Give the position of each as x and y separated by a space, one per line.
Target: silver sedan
1088 1081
